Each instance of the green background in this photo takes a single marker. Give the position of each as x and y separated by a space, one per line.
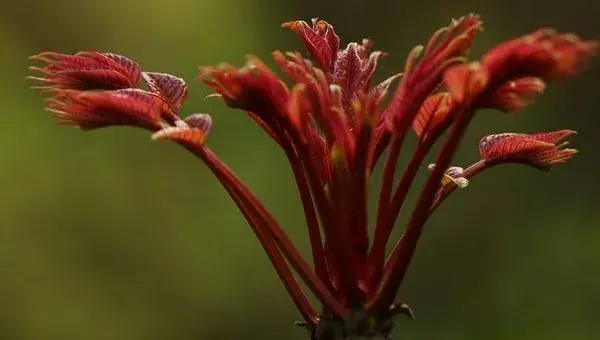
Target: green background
109 235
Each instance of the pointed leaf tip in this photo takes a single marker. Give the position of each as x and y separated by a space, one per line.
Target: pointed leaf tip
96 109
170 87
201 121
87 70
320 40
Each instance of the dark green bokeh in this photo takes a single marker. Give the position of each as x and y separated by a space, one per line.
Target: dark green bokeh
108 235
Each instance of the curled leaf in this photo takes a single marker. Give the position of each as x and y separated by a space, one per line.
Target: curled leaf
517 94
196 131
544 53
466 82
170 87
181 134
253 88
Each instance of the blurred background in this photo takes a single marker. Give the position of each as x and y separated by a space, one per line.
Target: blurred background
108 235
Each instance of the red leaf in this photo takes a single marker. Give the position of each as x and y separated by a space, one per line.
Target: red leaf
538 150
92 110
347 69
86 71
200 121
434 111
172 88
465 82
129 67
321 41
516 94
253 88
544 53
423 76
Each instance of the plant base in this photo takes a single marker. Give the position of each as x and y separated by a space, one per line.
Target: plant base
358 326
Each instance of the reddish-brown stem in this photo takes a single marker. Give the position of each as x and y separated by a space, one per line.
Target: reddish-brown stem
267 241
382 235
408 98
332 228
341 192
359 221
386 185
258 212
312 222
335 246
401 192
281 267
381 143
290 147
402 255
443 193
338 247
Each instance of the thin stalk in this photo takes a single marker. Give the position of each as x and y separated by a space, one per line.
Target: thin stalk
382 235
408 98
401 192
341 198
312 223
359 222
404 251
310 215
382 140
258 211
386 189
290 147
331 227
335 245
281 267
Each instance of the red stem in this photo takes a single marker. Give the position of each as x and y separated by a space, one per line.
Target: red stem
382 141
387 183
335 246
331 227
281 267
384 229
400 258
341 194
401 192
408 98
312 222
258 211
359 221
442 193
